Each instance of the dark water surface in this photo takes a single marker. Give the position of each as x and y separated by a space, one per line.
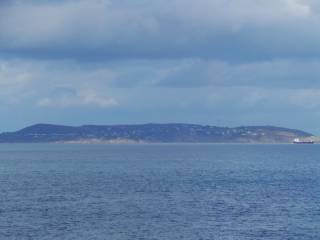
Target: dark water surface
159 192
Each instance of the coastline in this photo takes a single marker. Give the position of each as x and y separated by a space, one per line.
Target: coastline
124 142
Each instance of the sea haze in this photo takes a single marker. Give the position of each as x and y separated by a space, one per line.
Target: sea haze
168 191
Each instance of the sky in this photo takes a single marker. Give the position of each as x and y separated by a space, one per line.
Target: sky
215 62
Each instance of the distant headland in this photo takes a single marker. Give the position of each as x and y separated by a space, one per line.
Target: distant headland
151 133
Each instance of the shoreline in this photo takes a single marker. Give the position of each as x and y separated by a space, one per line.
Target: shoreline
152 143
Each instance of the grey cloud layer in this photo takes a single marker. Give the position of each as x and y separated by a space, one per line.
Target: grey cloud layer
102 29
142 91
68 84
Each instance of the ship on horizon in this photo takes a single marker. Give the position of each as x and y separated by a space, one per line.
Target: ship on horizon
303 141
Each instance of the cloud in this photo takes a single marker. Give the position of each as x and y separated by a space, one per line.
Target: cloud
279 92
20 79
69 98
267 74
243 62
56 82
14 81
306 98
108 29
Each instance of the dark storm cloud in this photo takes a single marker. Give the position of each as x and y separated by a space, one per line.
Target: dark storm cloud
102 29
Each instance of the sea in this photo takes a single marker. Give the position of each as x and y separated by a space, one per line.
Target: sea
159 192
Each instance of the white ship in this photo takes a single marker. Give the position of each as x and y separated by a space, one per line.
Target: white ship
303 141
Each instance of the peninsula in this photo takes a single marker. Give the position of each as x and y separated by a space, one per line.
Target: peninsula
152 133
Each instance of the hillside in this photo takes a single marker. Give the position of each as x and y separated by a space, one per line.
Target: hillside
152 133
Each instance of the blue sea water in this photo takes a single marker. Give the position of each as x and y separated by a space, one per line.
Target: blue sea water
167 192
